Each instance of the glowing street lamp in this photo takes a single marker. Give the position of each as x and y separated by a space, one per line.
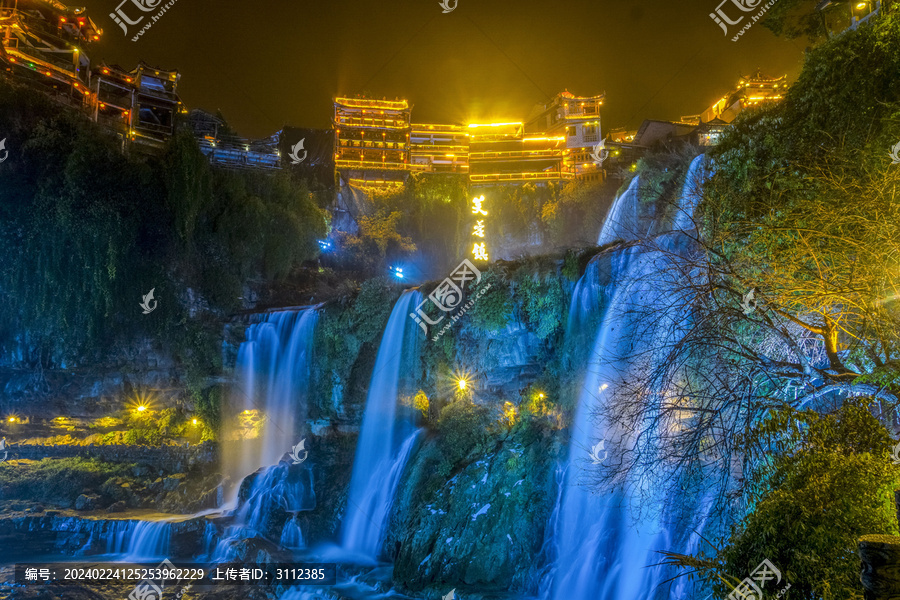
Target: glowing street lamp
141 408
462 383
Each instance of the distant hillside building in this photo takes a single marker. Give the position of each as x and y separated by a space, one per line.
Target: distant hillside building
751 91
225 149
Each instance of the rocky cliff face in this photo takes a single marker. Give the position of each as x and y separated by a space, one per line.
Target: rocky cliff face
482 524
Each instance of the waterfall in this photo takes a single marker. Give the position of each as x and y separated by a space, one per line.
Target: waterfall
273 372
139 540
622 220
603 546
387 436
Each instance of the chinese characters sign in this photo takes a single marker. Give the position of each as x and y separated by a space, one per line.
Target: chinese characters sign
479 248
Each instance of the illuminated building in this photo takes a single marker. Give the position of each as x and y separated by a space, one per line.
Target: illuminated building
142 104
578 119
43 42
439 148
751 91
502 152
371 141
225 149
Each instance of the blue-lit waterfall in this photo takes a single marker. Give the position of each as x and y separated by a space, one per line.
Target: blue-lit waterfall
603 547
273 384
274 370
387 437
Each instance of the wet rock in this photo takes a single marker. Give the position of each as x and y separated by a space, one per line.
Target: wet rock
87 502
117 507
140 470
171 483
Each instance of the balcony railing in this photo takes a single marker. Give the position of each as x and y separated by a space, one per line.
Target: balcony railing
532 176
517 154
370 165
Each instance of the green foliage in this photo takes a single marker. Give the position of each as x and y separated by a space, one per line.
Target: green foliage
209 408
345 327
56 480
463 426
88 229
543 301
493 310
831 482
795 18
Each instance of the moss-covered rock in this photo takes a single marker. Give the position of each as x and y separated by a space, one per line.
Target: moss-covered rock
482 523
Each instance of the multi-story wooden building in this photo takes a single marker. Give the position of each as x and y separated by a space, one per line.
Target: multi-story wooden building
142 105
502 152
44 42
372 140
439 148
578 119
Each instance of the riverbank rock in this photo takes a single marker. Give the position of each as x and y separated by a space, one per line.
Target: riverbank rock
87 502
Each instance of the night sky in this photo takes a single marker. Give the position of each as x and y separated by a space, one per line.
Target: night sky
270 63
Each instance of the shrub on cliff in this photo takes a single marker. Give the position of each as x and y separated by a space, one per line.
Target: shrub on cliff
814 502
463 426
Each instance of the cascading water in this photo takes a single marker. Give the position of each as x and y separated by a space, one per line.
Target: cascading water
602 547
273 371
622 220
387 436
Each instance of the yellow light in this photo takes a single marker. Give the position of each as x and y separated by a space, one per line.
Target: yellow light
194 421
141 408
541 396
461 383
12 419
474 125
861 5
